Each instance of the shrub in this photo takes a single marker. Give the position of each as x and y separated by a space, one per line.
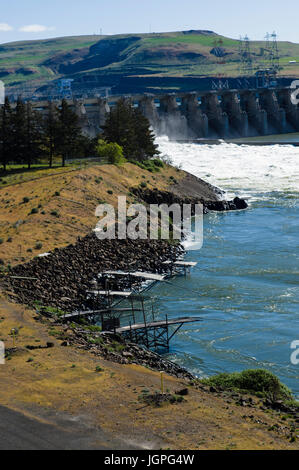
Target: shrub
38 245
112 151
55 213
257 381
25 200
157 162
1 241
110 191
34 210
57 193
143 184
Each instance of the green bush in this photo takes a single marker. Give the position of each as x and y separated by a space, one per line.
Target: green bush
38 245
34 210
112 151
157 162
25 200
257 381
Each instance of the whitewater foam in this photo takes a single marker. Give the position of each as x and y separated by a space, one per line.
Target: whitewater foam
245 170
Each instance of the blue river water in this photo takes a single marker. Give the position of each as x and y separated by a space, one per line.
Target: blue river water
245 286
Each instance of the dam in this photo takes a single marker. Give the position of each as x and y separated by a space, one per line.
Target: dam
217 114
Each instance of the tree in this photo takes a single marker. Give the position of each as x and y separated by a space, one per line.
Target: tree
33 135
6 134
127 127
68 131
144 136
18 131
112 151
50 132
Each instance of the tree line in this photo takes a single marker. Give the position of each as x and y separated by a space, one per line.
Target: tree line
27 136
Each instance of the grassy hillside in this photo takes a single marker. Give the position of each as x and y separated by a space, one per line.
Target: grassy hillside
44 209
188 53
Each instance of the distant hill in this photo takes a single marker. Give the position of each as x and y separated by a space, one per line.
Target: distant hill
92 58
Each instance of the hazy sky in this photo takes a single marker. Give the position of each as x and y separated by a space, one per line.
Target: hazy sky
36 19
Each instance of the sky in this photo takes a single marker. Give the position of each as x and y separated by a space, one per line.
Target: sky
40 19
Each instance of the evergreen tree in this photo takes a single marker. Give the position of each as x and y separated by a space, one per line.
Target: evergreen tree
18 131
68 131
145 138
6 134
33 135
50 132
128 127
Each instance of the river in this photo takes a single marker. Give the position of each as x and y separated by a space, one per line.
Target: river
245 286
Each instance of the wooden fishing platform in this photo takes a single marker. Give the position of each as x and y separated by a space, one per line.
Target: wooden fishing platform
110 293
184 266
137 274
154 335
93 313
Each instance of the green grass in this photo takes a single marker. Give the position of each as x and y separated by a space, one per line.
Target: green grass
34 54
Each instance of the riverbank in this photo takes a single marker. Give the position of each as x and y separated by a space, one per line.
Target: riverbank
60 370
75 390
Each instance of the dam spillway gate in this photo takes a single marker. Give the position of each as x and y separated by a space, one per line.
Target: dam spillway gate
211 114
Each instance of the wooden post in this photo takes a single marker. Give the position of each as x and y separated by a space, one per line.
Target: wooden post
145 325
167 335
134 319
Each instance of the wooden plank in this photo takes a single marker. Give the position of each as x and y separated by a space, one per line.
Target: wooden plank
158 324
110 293
149 276
187 264
98 312
24 278
143 275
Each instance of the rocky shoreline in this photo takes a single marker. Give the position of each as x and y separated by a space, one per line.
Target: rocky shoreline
113 347
62 278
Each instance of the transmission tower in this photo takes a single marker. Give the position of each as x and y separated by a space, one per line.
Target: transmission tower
272 52
246 61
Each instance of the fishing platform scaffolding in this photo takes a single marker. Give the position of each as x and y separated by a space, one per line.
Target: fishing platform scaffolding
154 334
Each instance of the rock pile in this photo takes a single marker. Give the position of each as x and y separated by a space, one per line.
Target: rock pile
63 277
114 348
158 197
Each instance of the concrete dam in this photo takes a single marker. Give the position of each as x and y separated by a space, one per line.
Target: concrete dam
221 114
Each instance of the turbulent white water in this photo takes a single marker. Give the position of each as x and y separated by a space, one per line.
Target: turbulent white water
243 170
